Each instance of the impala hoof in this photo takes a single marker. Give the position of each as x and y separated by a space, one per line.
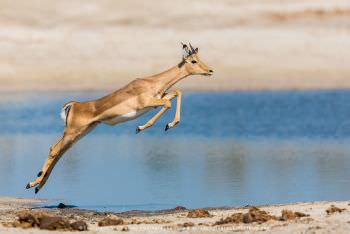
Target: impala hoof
28 186
36 190
138 130
167 127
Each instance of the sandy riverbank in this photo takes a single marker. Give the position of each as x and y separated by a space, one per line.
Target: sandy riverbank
102 45
317 219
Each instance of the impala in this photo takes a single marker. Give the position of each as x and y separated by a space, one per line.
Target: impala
127 103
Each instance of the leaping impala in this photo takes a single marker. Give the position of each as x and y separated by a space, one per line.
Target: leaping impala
127 103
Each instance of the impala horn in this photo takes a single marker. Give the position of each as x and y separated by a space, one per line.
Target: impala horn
193 51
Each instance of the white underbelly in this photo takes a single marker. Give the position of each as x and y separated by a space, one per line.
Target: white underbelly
126 117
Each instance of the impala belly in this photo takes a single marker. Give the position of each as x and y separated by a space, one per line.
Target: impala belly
126 117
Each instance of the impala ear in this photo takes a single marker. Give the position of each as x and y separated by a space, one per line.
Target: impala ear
186 52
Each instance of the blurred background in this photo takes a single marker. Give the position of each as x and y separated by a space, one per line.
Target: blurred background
271 126
101 45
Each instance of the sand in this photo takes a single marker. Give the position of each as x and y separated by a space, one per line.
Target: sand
104 44
172 221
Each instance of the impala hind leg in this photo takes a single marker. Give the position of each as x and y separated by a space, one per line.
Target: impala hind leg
56 152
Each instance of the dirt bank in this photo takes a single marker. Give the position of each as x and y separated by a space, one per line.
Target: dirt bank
315 217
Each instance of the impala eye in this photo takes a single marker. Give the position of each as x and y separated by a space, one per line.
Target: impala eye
193 61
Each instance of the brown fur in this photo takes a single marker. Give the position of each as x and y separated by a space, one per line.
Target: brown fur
126 104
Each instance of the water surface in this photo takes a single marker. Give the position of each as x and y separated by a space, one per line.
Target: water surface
230 149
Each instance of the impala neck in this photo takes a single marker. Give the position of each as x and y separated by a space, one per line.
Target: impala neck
170 77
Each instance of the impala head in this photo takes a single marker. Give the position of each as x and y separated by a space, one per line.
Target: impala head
192 63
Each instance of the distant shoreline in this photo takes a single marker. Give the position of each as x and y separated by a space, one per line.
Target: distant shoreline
204 90
250 45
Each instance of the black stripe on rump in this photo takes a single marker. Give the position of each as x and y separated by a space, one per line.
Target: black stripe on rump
66 111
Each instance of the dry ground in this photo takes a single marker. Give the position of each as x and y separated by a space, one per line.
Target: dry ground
172 221
103 44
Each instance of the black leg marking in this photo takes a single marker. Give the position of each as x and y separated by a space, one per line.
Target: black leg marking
40 173
45 174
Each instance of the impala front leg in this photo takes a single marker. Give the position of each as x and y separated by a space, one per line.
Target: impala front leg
178 94
154 103
165 102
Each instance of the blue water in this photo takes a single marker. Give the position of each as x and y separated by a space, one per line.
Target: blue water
229 149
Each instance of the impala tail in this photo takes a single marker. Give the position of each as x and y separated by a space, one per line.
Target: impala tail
65 111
